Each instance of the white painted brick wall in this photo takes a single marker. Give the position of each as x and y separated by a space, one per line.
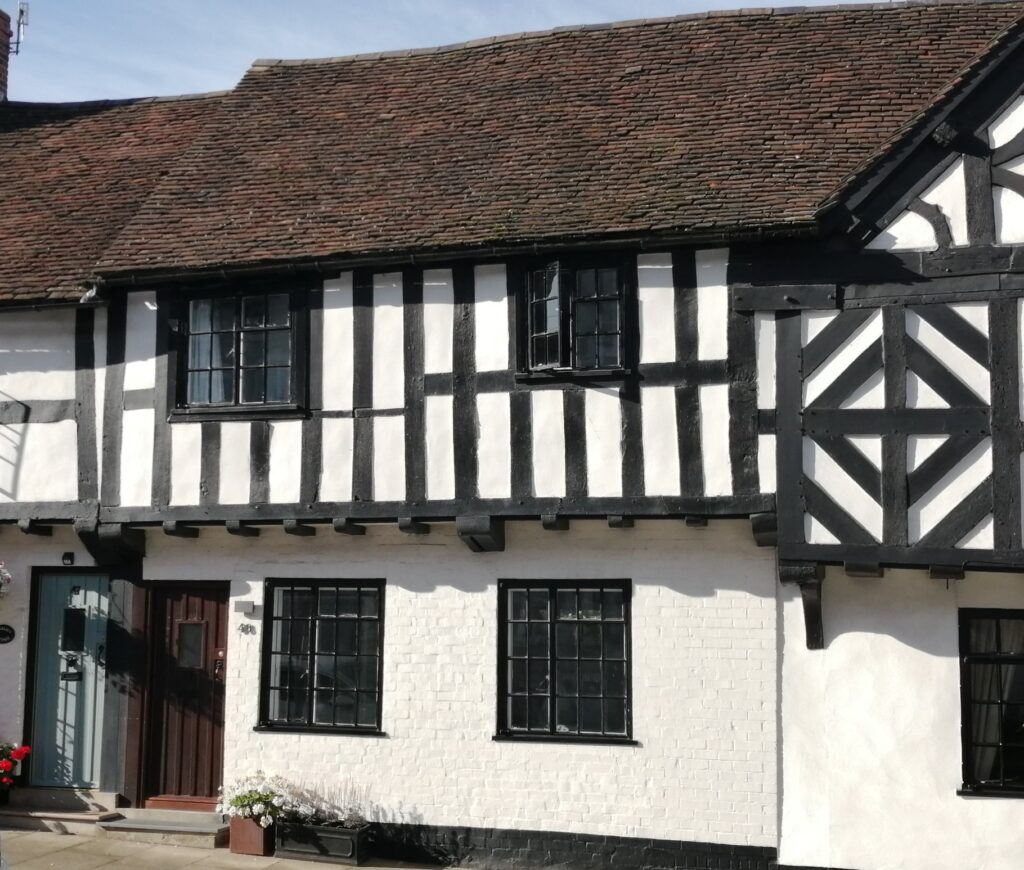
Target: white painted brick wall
704 679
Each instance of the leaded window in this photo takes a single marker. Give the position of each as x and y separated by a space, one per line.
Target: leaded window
575 319
992 687
323 644
564 664
239 350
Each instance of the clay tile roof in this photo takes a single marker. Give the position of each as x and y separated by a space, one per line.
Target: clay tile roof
713 124
73 175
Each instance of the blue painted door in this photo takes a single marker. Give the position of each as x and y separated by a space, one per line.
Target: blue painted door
69 680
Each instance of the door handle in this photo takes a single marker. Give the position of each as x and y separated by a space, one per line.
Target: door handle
218 667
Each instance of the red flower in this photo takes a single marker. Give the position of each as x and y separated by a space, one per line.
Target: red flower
6 765
6 780
20 753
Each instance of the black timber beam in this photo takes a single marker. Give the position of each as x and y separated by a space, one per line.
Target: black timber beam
481 534
179 530
112 544
808 577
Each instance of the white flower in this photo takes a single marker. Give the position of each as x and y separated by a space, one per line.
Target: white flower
266 822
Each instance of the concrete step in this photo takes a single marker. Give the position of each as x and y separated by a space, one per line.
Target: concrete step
82 822
168 827
63 799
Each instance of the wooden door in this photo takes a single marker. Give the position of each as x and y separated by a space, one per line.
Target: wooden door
186 702
69 680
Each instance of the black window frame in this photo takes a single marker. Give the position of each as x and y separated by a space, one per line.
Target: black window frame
566 269
178 327
972 784
503 729
264 722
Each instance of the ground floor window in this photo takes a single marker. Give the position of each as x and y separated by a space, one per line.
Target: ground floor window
564 659
992 693
322 654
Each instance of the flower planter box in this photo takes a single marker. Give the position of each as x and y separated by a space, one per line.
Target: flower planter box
248 838
318 843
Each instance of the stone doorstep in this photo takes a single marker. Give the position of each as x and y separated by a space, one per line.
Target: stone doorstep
55 821
167 827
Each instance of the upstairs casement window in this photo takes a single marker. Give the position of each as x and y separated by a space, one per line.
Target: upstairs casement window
241 351
575 318
992 700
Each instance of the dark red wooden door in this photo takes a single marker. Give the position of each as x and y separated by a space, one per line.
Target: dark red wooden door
186 701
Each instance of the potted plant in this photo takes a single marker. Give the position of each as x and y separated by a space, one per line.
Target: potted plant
11 755
327 828
252 804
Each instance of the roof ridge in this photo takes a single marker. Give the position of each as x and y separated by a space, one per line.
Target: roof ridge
125 101
488 41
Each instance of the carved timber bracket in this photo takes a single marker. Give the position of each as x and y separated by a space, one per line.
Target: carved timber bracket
808 577
481 534
112 544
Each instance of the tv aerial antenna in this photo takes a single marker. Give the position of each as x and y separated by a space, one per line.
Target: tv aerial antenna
19 29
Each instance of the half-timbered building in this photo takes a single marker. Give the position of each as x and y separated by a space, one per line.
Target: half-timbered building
602 446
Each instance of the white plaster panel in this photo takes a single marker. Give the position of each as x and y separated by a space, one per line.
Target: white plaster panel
920 447
920 395
822 377
764 345
660 441
1009 206
766 462
339 347
603 412
949 193
494 445
37 355
712 304
812 323
438 320
816 533
886 691
336 459
870 446
960 482
491 326
440 438
186 462
100 386
704 680
39 462
388 341
965 368
285 461
548 441
1007 125
389 458
235 466
908 232
137 429
975 313
841 488
714 439
656 299
140 341
870 394
981 537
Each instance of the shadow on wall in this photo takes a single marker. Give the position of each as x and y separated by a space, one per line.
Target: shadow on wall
401 835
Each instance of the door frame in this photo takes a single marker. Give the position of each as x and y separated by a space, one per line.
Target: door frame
141 714
36 574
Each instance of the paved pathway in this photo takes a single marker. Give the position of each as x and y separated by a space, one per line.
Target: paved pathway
37 850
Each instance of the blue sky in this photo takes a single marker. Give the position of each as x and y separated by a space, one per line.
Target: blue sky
96 49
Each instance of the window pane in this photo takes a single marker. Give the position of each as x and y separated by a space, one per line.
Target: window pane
1013 683
345 632
369 604
586 318
553 319
279 636
367 709
984 682
223 350
539 639
538 604
346 673
252 385
323 708
566 679
590 604
345 708
1011 636
199 351
608 282
613 604
277 310
253 310
566 640
590 641
517 599
326 636
279 348
608 351
278 384
296 602
586 283
540 676
347 602
566 603
369 632
982 635
566 715
198 388
590 678
191 644
608 319
222 386
223 315
1013 724
615 679
519 676
328 602
586 352
1013 766
518 712
72 634
369 671
253 350
199 316
614 716
590 715
539 713
519 642
614 641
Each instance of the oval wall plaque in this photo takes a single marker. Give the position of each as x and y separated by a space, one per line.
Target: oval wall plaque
6 633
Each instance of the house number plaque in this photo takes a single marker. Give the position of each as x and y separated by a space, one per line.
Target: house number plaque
6 633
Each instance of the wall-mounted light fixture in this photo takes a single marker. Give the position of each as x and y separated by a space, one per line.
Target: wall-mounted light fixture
67 559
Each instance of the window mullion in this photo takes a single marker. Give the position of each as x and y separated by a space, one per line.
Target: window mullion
311 679
552 659
566 303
